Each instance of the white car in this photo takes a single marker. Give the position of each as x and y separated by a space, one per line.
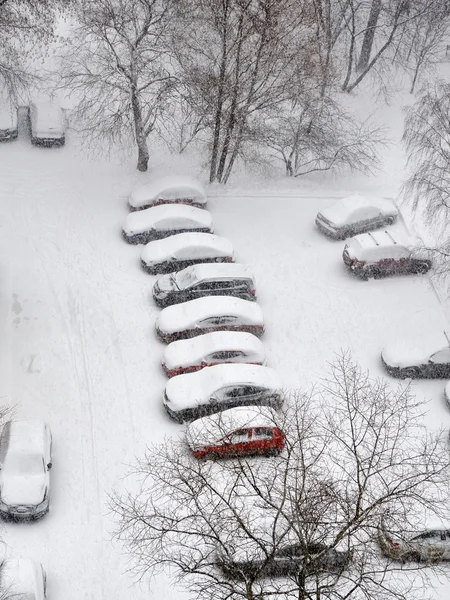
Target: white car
188 397
187 356
167 190
426 356
163 221
430 545
203 315
355 214
8 121
25 463
47 124
23 579
184 249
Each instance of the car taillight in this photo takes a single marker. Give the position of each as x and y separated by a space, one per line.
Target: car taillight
252 292
391 542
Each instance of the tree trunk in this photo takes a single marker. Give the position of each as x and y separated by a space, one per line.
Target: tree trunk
366 48
139 132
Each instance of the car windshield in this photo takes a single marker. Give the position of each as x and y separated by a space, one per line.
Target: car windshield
24 464
185 279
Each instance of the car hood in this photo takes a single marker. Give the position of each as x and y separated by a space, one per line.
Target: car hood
409 353
23 490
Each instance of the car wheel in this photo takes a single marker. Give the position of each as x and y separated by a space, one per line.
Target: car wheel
421 269
408 373
390 220
210 456
364 275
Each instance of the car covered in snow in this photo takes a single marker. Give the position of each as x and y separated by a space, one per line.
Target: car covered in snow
355 214
215 348
205 279
282 560
23 579
203 315
427 357
447 393
184 249
430 545
163 221
193 395
381 253
173 189
240 431
25 463
8 121
47 124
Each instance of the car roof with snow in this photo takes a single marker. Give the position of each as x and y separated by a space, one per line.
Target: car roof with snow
188 314
193 350
208 430
383 244
167 248
207 271
189 389
19 577
171 187
8 115
343 209
164 216
25 435
48 115
409 352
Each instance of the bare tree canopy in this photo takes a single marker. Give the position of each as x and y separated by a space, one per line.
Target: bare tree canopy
356 453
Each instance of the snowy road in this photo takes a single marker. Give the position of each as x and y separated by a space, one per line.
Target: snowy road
78 350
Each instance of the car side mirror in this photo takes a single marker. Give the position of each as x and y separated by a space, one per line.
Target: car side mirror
49 466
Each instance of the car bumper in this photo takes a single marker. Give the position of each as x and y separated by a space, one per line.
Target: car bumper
328 230
27 514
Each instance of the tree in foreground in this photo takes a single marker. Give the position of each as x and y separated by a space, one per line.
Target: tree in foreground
356 453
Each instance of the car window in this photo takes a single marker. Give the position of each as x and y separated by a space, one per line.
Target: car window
226 354
427 535
236 391
262 432
222 320
441 357
363 214
290 551
238 436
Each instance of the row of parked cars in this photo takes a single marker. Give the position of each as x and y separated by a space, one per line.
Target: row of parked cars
46 123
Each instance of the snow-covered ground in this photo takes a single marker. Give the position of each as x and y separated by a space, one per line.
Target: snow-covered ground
77 333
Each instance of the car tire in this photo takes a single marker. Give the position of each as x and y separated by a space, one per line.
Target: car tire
210 456
421 269
390 220
365 275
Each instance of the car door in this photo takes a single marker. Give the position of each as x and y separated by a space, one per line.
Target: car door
205 288
261 439
288 559
237 442
439 363
364 219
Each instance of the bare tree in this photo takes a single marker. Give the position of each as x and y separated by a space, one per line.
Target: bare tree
355 451
118 68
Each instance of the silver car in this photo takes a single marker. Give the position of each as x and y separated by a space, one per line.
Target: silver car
429 546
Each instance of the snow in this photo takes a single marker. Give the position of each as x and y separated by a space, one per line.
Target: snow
23 579
189 314
47 118
8 117
408 352
379 244
167 216
184 353
207 430
170 189
186 245
341 212
191 389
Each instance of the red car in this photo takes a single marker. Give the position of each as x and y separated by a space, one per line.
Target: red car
257 434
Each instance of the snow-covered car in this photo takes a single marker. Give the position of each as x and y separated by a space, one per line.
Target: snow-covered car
215 348
240 431
23 579
8 121
281 561
428 546
447 393
183 250
25 463
162 221
427 357
173 189
381 253
205 279
193 395
355 214
47 124
203 315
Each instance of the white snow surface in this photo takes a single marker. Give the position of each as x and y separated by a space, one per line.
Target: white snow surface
168 216
184 353
188 314
171 188
23 579
407 352
191 389
207 430
186 245
8 116
341 211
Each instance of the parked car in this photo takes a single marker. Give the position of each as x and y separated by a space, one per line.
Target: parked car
168 190
9 129
184 249
23 579
381 253
447 393
203 315
284 560
428 546
355 214
25 463
162 221
205 279
47 124
215 348
427 357
240 431
193 395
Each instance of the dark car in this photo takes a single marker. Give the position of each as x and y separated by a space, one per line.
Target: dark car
426 357
206 279
287 560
